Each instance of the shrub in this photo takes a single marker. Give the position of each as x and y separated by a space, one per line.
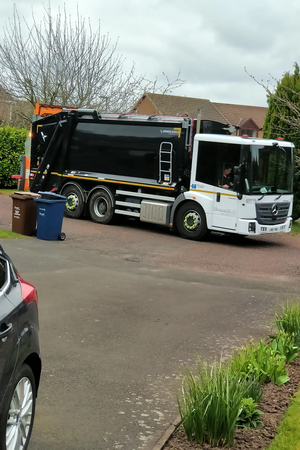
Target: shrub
284 344
12 145
259 363
289 320
210 404
249 416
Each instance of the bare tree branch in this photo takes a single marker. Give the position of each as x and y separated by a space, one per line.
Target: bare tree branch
66 62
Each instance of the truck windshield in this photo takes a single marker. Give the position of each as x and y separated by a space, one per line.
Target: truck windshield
272 169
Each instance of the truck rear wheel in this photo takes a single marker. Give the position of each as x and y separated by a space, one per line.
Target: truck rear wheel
191 221
75 203
101 207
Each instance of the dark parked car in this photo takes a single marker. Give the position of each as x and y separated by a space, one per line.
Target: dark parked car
20 363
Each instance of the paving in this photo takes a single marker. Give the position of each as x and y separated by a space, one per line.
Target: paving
124 309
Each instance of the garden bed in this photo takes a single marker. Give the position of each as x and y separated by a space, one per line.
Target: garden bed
274 404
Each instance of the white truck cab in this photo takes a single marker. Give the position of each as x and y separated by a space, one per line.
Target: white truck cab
258 199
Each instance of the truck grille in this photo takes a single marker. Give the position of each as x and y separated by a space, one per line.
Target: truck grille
272 213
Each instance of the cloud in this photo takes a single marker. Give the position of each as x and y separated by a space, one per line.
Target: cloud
210 42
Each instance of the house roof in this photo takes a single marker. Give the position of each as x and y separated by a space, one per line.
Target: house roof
172 105
238 114
225 113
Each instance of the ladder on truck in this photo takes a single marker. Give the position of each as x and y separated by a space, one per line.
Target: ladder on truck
165 162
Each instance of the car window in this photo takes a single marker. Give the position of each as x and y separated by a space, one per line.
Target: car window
3 273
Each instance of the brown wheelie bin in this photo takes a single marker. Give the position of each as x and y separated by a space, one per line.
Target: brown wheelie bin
24 213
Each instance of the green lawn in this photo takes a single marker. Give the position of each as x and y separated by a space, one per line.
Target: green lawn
10 235
7 191
296 228
288 434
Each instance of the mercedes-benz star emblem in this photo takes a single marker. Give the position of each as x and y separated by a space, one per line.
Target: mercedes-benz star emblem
274 210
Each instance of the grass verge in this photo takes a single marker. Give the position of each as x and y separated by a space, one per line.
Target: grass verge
10 235
288 433
295 228
7 191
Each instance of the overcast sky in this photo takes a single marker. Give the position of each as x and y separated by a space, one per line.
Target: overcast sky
210 42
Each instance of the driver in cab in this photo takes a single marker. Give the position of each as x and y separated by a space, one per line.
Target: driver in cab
227 179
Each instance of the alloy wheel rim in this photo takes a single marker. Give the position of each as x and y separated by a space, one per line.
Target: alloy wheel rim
192 221
72 202
19 415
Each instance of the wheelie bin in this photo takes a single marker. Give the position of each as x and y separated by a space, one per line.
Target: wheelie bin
50 213
24 212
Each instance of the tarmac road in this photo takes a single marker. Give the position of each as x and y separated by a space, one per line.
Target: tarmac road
123 308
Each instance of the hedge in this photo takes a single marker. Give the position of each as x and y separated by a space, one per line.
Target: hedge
12 145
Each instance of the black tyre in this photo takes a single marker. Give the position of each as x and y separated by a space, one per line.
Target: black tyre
191 221
62 236
75 203
101 207
17 415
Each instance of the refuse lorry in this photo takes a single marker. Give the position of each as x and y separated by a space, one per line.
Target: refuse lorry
161 170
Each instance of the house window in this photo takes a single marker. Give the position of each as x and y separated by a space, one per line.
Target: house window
250 133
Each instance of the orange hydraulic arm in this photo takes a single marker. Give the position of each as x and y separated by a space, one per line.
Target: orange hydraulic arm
44 110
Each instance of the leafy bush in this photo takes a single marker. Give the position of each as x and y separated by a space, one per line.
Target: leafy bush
289 320
211 403
259 363
249 416
284 344
12 145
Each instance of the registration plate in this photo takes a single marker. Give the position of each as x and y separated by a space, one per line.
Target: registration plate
273 229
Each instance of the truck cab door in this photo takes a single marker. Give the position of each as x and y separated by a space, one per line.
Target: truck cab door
225 209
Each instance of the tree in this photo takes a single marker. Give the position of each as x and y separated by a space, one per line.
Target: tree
60 62
283 116
283 119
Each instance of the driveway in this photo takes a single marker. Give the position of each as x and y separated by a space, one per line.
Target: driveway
124 308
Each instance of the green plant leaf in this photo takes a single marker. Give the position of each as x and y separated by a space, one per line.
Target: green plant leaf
273 345
282 379
280 347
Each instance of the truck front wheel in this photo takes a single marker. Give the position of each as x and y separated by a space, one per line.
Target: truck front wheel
101 207
191 221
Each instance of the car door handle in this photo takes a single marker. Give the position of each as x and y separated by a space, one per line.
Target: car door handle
6 331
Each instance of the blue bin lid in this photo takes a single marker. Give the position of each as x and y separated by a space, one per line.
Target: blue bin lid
51 196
